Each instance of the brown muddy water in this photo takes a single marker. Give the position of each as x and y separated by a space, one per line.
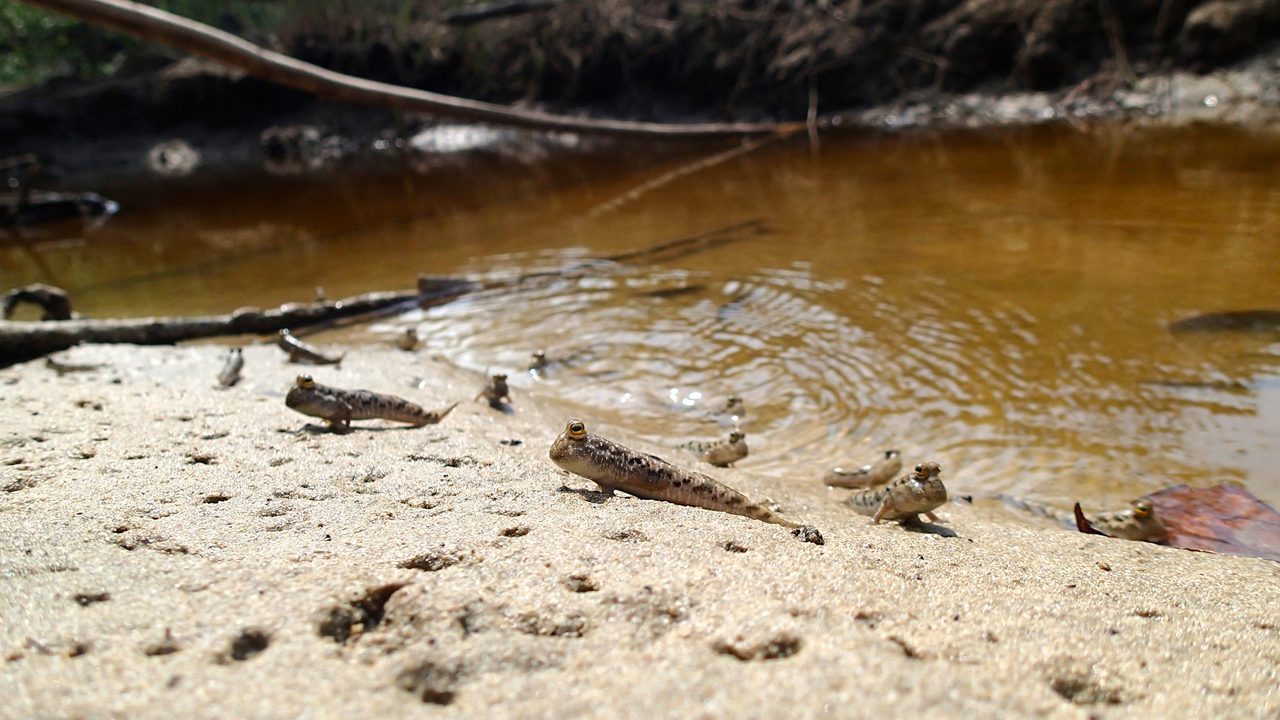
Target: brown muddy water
994 302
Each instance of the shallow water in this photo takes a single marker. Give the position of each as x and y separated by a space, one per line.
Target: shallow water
997 303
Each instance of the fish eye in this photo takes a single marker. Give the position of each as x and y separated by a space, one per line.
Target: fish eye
576 429
305 382
736 435
919 468
1142 509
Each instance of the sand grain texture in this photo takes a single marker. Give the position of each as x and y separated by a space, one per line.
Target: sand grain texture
172 550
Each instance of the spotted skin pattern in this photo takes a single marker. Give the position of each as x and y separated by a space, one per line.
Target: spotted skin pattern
616 467
721 453
340 407
871 475
1136 522
301 352
904 499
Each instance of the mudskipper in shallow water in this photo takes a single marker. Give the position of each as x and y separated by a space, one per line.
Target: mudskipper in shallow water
870 475
721 453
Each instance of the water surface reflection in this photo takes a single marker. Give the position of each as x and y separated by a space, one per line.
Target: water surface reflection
995 303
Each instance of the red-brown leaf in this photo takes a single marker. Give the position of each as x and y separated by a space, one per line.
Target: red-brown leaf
1224 519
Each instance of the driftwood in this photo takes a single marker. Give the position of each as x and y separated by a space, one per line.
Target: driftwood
20 341
196 38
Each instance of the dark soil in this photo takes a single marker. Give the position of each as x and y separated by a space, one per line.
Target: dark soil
760 58
670 60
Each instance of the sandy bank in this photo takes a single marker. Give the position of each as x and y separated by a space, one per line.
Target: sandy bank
172 550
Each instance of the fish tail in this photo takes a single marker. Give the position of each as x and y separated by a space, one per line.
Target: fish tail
1037 509
760 512
868 502
423 417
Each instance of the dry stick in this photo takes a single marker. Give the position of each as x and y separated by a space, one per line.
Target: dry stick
196 38
21 341
685 246
661 252
665 251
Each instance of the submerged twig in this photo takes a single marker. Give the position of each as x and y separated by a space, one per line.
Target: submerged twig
671 176
20 341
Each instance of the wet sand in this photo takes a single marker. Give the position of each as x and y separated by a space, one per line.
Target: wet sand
168 549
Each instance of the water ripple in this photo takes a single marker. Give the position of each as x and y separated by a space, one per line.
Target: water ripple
834 371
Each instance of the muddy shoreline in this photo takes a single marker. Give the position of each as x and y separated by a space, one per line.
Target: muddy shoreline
944 65
168 546
59 125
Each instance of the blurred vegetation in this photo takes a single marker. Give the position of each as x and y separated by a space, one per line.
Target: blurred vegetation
685 58
36 45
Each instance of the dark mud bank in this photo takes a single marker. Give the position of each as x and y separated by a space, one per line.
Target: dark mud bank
734 58
877 63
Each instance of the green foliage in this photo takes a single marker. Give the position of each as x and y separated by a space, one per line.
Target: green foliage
36 45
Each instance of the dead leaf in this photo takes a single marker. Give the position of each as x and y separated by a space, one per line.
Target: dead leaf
1224 519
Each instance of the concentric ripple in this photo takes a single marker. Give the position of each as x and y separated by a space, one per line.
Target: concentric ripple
834 370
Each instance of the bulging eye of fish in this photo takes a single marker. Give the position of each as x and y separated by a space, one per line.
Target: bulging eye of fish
577 429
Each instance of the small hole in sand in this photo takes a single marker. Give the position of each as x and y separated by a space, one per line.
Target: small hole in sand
431 683
86 599
581 584
430 561
247 644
